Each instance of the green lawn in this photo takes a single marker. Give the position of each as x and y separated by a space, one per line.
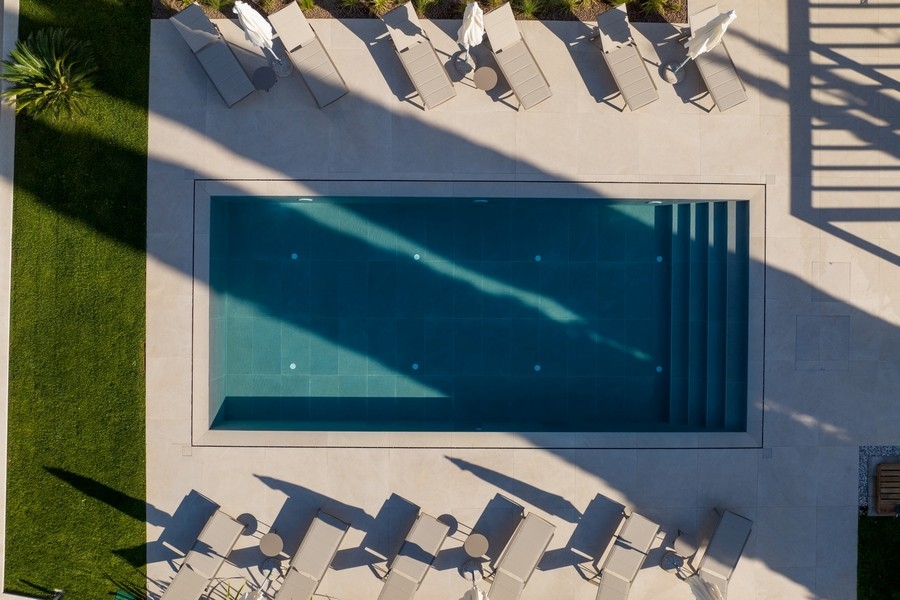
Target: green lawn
878 577
76 412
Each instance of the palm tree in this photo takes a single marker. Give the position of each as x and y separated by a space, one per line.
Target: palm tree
50 73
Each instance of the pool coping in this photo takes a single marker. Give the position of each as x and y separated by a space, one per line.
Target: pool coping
201 416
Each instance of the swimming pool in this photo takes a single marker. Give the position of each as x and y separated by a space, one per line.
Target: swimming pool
477 314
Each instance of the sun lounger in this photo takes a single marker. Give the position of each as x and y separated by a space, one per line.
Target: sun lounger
716 67
624 59
717 560
515 58
625 556
308 54
201 564
417 54
214 54
411 564
520 558
313 558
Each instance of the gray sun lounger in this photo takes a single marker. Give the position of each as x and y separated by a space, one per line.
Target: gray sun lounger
717 560
520 558
417 55
515 58
313 558
214 54
411 564
625 556
308 54
201 564
624 59
716 67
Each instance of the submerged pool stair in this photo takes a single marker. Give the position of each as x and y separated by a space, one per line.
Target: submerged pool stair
704 275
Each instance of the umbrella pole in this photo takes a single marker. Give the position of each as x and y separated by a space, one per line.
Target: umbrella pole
672 72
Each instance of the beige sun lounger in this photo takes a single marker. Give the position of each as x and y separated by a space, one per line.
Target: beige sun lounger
419 59
214 54
308 54
411 564
717 560
201 564
716 67
624 59
515 58
520 558
625 556
313 558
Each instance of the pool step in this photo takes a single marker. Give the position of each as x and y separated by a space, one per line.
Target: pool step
708 302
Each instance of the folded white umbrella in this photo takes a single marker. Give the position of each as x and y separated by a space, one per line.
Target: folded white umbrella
256 28
708 37
472 31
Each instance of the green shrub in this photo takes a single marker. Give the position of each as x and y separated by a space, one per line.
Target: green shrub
423 5
530 8
50 73
307 4
658 7
219 5
379 7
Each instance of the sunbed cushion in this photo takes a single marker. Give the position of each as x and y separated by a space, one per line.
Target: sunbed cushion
187 585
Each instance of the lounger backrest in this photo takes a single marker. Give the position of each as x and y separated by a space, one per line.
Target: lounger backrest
411 564
214 544
421 547
195 27
403 26
724 550
521 557
204 560
613 28
500 26
625 556
292 27
319 545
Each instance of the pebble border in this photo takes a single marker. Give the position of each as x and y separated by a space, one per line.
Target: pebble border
866 452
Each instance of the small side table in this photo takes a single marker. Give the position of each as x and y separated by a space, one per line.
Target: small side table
271 544
264 78
476 545
485 79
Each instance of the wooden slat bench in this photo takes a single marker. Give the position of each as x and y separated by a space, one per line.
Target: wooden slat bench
888 488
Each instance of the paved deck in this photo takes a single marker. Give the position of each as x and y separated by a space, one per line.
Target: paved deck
816 133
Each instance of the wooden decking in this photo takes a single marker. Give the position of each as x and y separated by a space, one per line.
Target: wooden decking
888 488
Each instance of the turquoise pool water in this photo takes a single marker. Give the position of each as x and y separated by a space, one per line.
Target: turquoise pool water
448 314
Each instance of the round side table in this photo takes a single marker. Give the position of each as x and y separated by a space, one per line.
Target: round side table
476 545
271 544
485 79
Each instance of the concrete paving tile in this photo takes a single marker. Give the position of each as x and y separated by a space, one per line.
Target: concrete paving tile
546 137
727 477
786 536
786 479
836 582
669 478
